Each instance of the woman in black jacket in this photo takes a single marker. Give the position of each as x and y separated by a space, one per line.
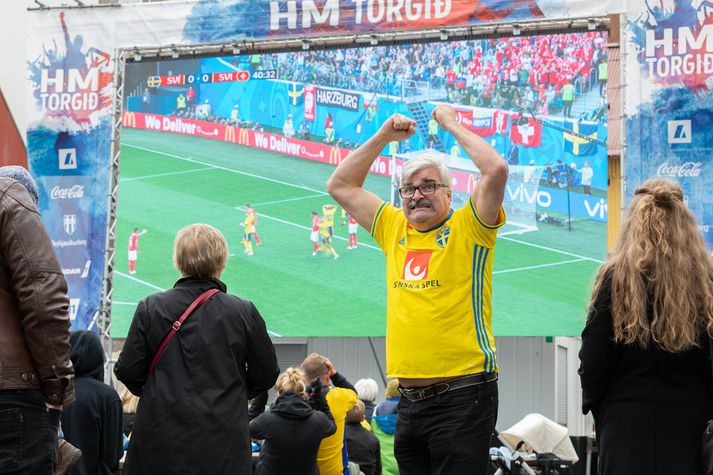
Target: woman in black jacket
645 368
292 430
192 416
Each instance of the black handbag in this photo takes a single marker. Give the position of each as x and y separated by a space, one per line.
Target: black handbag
707 452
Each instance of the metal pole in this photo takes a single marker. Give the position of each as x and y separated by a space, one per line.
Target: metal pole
376 359
569 207
104 314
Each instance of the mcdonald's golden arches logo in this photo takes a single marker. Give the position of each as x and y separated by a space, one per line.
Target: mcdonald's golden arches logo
335 156
229 134
243 137
472 180
129 119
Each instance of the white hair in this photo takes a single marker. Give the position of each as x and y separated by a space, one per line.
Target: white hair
417 164
367 389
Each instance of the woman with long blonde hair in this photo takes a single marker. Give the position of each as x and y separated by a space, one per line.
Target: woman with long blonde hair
645 367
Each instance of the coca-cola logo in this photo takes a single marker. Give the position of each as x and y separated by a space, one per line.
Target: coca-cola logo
71 193
684 170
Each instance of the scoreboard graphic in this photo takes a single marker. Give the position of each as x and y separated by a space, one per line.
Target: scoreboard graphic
227 76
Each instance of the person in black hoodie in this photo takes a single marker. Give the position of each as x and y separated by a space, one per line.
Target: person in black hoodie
362 446
293 430
93 423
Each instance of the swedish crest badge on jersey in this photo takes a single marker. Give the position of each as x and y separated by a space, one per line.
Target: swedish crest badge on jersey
442 236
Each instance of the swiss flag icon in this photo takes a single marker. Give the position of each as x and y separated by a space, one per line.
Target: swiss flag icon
416 265
527 134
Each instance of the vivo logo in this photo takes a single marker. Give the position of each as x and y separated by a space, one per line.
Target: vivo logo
71 193
685 170
600 208
542 198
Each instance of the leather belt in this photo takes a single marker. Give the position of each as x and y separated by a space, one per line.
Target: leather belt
419 394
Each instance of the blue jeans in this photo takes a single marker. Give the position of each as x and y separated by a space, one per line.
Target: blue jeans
28 434
447 434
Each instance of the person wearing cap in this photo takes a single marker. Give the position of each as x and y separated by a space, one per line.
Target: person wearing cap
37 379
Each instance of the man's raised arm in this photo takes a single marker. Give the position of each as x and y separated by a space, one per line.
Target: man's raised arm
489 192
346 183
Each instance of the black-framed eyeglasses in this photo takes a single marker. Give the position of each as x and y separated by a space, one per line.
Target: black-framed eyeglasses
425 189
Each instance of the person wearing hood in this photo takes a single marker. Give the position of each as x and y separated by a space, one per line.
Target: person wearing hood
94 422
383 426
293 430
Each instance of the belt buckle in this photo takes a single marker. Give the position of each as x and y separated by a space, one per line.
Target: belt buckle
420 394
438 392
414 394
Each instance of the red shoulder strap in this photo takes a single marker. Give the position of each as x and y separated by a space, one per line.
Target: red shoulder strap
202 298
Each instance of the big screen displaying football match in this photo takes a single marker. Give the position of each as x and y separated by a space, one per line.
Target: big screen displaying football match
248 141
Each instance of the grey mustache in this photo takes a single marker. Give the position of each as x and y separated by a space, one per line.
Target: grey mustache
421 202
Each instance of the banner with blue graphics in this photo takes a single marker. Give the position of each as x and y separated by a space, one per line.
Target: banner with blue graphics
668 101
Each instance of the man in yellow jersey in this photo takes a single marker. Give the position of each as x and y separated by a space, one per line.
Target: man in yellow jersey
341 397
247 240
329 210
326 234
439 342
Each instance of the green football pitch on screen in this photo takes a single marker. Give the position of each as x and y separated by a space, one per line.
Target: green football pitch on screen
541 279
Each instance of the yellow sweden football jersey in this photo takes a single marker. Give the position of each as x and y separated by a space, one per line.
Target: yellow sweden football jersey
329 211
249 221
324 229
438 293
329 457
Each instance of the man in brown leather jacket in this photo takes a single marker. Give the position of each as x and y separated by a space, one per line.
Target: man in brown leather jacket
36 375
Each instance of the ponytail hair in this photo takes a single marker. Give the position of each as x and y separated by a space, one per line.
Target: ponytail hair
291 381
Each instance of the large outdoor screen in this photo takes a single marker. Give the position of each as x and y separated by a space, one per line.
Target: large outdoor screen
203 138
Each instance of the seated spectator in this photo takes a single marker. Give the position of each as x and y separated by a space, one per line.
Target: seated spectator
367 390
129 404
304 132
383 425
331 458
93 423
293 430
362 446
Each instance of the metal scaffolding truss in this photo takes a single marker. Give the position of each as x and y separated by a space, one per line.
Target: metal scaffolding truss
361 40
104 315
